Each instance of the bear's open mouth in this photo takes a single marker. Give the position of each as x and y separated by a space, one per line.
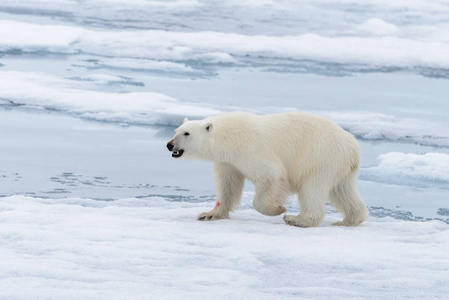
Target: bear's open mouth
177 153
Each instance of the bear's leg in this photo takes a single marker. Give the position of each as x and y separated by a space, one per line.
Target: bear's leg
312 201
346 199
271 196
229 185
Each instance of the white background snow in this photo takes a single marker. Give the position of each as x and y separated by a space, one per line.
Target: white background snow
92 206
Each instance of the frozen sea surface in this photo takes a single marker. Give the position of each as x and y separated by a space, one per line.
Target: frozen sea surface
152 248
93 206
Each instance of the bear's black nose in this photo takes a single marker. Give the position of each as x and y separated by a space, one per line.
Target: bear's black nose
170 146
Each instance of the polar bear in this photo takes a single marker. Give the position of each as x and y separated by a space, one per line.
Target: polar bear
281 154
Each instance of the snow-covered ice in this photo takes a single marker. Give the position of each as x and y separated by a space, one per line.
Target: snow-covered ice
220 47
93 206
409 168
153 248
50 92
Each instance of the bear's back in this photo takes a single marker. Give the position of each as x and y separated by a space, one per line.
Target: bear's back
295 138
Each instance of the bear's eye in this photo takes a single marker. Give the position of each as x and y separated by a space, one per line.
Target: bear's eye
186 133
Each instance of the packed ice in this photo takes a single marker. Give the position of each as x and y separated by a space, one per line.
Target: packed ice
429 169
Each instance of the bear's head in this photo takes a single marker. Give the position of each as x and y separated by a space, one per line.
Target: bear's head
190 139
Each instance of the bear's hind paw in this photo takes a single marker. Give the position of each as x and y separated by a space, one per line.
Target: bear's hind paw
347 223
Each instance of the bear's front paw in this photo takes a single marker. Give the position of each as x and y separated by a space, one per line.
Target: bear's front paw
211 216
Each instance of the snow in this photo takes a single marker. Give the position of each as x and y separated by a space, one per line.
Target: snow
389 51
29 37
378 27
434 166
41 90
153 248
373 126
423 169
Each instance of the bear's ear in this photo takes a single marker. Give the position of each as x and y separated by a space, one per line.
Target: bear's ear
209 127
185 120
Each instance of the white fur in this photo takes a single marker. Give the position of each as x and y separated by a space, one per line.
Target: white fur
281 154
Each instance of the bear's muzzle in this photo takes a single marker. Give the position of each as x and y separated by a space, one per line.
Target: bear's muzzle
176 153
